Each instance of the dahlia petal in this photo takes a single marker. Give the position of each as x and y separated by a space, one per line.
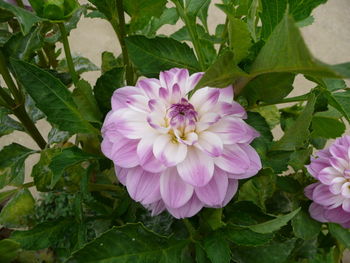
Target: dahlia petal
327 175
214 192
210 143
323 196
205 99
336 215
193 80
156 120
168 152
233 160
339 164
106 147
308 191
156 207
146 157
150 87
121 96
345 190
138 103
317 212
192 207
123 153
206 120
317 165
143 186
197 169
346 205
121 173
336 186
166 79
231 191
174 191
226 94
339 151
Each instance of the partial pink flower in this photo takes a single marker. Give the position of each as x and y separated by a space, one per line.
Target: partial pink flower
331 194
178 153
25 3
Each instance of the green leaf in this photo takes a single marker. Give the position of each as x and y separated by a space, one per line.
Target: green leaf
288 184
270 113
222 73
194 6
302 9
340 233
270 88
340 101
274 224
304 226
15 212
275 252
258 189
150 56
41 236
326 127
106 85
52 97
25 18
81 65
7 124
298 133
86 102
201 256
286 51
109 61
8 250
66 158
217 248
299 158
245 237
4 195
57 136
12 159
272 13
4 37
213 217
131 243
239 37
107 7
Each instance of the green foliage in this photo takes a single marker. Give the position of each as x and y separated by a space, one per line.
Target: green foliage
8 250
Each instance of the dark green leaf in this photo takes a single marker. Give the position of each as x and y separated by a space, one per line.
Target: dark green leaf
274 224
272 14
150 56
86 102
299 158
109 61
66 158
12 159
340 101
302 9
107 7
81 65
259 123
4 37
25 18
213 217
34 113
304 226
245 237
7 124
326 127
8 250
52 97
15 212
131 243
270 113
217 248
106 85
201 256
288 184
270 88
194 6
286 51
239 37
4 195
324 258
297 134
57 136
340 233
41 236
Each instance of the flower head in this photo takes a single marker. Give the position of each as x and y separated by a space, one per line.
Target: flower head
178 153
331 195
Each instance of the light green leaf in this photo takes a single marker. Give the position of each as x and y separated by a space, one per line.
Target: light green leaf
298 133
107 7
52 97
86 102
81 65
272 13
274 224
270 113
150 56
4 37
340 233
326 127
131 243
245 237
12 159
7 194
194 6
304 226
8 250
15 212
217 248
109 61
286 51
340 101
7 124
25 18
239 37
299 158
302 9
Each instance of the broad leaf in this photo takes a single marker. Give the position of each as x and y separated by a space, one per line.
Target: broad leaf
302 9
81 65
15 213
194 6
274 224
131 243
304 226
12 159
4 195
326 127
217 248
25 18
150 56
272 13
246 237
340 233
52 97
57 136
340 101
8 250
239 37
7 124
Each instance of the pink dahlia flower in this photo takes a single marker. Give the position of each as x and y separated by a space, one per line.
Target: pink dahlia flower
331 195
177 153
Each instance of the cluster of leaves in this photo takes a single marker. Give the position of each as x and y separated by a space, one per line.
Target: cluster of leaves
84 215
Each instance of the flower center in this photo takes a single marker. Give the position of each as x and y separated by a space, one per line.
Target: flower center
347 173
182 113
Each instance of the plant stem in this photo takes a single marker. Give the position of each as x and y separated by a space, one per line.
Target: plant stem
22 115
190 228
27 185
119 28
42 59
69 58
288 100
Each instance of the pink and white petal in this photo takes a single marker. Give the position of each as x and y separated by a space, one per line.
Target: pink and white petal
166 78
205 99
231 191
122 95
182 78
121 173
123 153
345 190
346 225
206 120
146 157
317 165
327 175
157 121
138 103
192 207
193 80
323 196
169 153
143 186
233 160
346 205
317 212
188 139
339 164
254 166
308 190
210 143
174 191
336 186
156 207
150 87
106 147
197 169
339 151
337 215
226 94
214 192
